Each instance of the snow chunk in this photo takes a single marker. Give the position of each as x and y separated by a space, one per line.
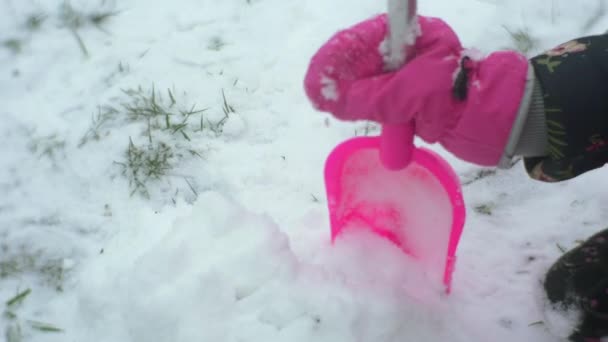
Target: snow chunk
420 217
329 89
561 321
401 36
206 266
234 127
371 262
68 264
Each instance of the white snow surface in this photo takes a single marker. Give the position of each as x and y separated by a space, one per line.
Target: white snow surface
234 245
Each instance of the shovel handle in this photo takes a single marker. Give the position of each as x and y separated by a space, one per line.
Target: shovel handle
397 140
396 145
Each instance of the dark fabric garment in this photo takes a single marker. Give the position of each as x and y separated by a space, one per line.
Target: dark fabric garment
574 81
579 280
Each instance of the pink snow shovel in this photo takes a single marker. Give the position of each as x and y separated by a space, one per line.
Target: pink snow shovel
407 194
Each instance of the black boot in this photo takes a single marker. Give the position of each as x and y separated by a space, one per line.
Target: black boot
578 282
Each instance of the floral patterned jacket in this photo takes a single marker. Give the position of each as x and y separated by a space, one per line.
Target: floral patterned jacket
574 81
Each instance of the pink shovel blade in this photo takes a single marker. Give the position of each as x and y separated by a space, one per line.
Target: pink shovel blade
419 207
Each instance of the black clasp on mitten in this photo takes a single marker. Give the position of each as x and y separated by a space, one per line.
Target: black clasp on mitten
461 83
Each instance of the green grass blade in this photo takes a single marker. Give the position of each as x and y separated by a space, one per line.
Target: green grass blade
20 297
44 327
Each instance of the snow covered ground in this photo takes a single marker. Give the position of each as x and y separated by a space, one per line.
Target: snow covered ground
231 242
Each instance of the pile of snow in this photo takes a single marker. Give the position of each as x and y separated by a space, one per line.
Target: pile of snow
230 275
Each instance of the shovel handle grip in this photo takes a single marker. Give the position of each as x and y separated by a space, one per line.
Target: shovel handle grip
396 145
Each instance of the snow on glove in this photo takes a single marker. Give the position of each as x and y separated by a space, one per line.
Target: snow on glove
456 97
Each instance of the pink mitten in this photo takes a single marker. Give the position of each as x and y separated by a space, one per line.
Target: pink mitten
455 97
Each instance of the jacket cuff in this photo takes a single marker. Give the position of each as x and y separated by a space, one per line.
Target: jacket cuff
528 136
533 141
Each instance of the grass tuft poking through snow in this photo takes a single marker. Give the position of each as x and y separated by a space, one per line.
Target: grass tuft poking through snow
49 270
522 40
146 164
35 21
166 128
14 45
73 20
67 17
16 326
51 147
169 129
